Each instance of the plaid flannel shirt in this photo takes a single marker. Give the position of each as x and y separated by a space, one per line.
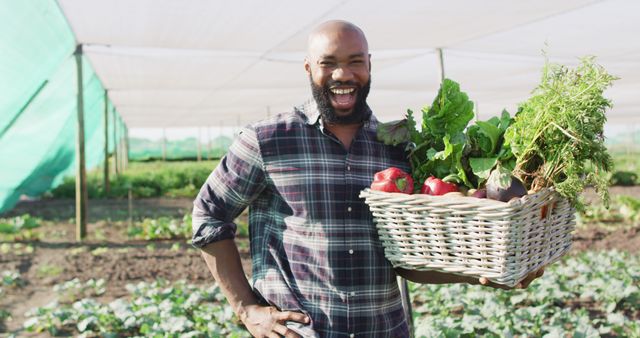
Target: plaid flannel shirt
314 246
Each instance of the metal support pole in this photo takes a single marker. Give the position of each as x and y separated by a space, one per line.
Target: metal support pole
81 173
406 304
107 184
441 64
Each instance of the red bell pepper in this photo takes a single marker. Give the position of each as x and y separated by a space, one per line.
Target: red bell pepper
392 180
435 186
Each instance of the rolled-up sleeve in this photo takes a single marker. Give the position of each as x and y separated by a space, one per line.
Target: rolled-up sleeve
237 180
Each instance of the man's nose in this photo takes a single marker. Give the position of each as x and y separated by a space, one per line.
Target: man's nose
342 73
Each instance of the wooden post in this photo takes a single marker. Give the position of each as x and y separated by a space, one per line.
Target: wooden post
119 146
209 150
107 184
199 144
130 199
220 129
126 147
441 64
164 144
122 149
81 173
115 144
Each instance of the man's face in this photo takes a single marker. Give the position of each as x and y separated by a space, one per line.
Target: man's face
339 70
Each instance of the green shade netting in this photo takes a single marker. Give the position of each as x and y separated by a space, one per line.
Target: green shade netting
38 105
145 150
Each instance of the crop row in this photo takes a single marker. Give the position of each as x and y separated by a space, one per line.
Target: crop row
589 295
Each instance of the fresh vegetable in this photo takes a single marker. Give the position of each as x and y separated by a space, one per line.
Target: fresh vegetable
392 180
435 186
554 140
395 132
480 193
557 135
443 148
485 147
437 149
502 186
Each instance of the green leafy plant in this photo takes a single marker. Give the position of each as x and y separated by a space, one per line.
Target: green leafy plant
623 211
19 228
74 290
19 249
154 179
11 279
446 147
591 294
161 228
438 147
597 214
4 315
558 132
48 270
154 309
624 178
629 207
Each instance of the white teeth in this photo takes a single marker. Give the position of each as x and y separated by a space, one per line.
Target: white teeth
342 91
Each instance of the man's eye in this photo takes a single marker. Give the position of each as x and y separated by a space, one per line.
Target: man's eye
327 63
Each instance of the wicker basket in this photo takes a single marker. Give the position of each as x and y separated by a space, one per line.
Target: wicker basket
470 236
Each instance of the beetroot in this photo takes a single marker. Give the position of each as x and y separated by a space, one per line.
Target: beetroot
502 186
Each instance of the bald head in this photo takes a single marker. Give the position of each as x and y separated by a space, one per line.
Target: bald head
332 31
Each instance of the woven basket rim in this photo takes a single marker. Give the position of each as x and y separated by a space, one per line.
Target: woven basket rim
445 199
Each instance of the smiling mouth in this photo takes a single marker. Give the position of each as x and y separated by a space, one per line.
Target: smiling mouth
343 98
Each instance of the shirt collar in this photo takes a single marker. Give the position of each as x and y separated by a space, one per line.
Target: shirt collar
309 110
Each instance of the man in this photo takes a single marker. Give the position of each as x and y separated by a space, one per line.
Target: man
318 267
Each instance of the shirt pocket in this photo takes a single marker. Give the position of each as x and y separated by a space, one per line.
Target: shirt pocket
290 182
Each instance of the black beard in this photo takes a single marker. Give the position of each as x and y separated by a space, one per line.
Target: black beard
322 95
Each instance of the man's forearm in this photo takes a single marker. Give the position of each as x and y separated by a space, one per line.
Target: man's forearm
434 277
223 260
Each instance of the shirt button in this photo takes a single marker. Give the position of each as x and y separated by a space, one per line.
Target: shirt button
350 251
353 293
349 209
352 335
349 167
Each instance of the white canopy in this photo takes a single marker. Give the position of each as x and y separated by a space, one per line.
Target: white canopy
169 63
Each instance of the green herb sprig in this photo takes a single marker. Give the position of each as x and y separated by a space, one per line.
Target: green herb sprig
557 136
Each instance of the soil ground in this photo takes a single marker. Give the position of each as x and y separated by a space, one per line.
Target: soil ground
109 254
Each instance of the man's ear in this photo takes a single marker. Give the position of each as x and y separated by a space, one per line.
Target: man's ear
369 63
307 66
